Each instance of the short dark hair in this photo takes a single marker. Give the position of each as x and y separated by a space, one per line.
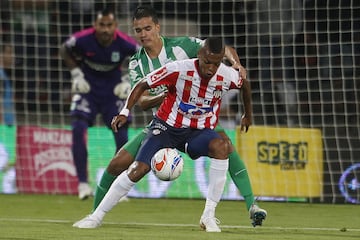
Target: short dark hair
214 44
146 11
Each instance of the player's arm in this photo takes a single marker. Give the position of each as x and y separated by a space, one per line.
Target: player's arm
135 94
79 83
147 101
69 60
246 119
232 56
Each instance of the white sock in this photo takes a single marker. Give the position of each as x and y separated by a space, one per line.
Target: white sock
217 179
119 188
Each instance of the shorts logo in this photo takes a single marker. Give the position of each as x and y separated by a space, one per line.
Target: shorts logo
156 132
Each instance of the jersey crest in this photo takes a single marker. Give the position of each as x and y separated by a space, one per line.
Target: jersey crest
115 57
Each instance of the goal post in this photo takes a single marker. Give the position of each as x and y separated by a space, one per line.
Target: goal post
302 61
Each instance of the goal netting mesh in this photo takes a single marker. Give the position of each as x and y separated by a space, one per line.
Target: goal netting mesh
302 59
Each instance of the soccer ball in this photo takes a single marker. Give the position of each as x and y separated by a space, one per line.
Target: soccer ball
167 164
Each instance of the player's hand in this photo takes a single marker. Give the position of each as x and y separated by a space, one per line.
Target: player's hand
119 120
241 69
79 84
245 124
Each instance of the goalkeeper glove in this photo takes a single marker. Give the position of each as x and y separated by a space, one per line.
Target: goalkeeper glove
79 84
122 90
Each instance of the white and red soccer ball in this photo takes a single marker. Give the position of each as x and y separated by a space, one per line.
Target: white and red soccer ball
167 164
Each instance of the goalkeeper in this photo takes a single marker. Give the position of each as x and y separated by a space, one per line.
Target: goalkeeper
94 57
156 51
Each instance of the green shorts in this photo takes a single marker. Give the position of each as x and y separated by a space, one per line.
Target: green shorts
219 128
133 145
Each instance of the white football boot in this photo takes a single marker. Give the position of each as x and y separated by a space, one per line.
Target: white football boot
209 224
88 222
84 191
257 215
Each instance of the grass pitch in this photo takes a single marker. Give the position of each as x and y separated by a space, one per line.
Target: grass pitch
37 217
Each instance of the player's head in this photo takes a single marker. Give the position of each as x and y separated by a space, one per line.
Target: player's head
105 26
210 56
146 26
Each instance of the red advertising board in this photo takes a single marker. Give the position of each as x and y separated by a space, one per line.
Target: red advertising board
44 162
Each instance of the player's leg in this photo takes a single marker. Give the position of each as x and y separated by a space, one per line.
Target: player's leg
80 155
240 177
110 108
238 173
121 161
209 143
125 181
81 121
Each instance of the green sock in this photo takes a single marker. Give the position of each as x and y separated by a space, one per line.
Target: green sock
240 177
106 180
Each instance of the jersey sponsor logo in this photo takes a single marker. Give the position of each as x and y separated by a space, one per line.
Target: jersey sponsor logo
101 67
133 64
202 101
90 54
115 57
192 111
159 74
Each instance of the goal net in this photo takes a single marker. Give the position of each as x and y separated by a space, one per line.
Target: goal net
302 59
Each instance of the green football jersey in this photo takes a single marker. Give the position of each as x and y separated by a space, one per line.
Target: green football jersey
177 48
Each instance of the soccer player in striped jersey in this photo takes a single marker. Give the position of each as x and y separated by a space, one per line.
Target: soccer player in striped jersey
94 57
156 51
185 120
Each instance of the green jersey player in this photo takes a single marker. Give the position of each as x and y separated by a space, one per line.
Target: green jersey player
156 51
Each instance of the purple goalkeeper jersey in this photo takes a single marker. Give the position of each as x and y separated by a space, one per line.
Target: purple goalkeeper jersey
101 65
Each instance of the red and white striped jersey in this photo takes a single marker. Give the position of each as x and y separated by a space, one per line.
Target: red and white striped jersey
192 101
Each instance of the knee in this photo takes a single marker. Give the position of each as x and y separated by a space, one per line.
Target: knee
120 163
226 138
219 148
79 125
138 170
79 128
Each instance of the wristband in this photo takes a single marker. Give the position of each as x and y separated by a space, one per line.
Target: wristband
124 112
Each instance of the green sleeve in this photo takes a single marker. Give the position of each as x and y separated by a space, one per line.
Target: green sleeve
135 73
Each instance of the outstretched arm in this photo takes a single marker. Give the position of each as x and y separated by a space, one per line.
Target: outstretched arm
120 119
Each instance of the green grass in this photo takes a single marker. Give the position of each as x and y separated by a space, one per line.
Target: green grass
50 217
